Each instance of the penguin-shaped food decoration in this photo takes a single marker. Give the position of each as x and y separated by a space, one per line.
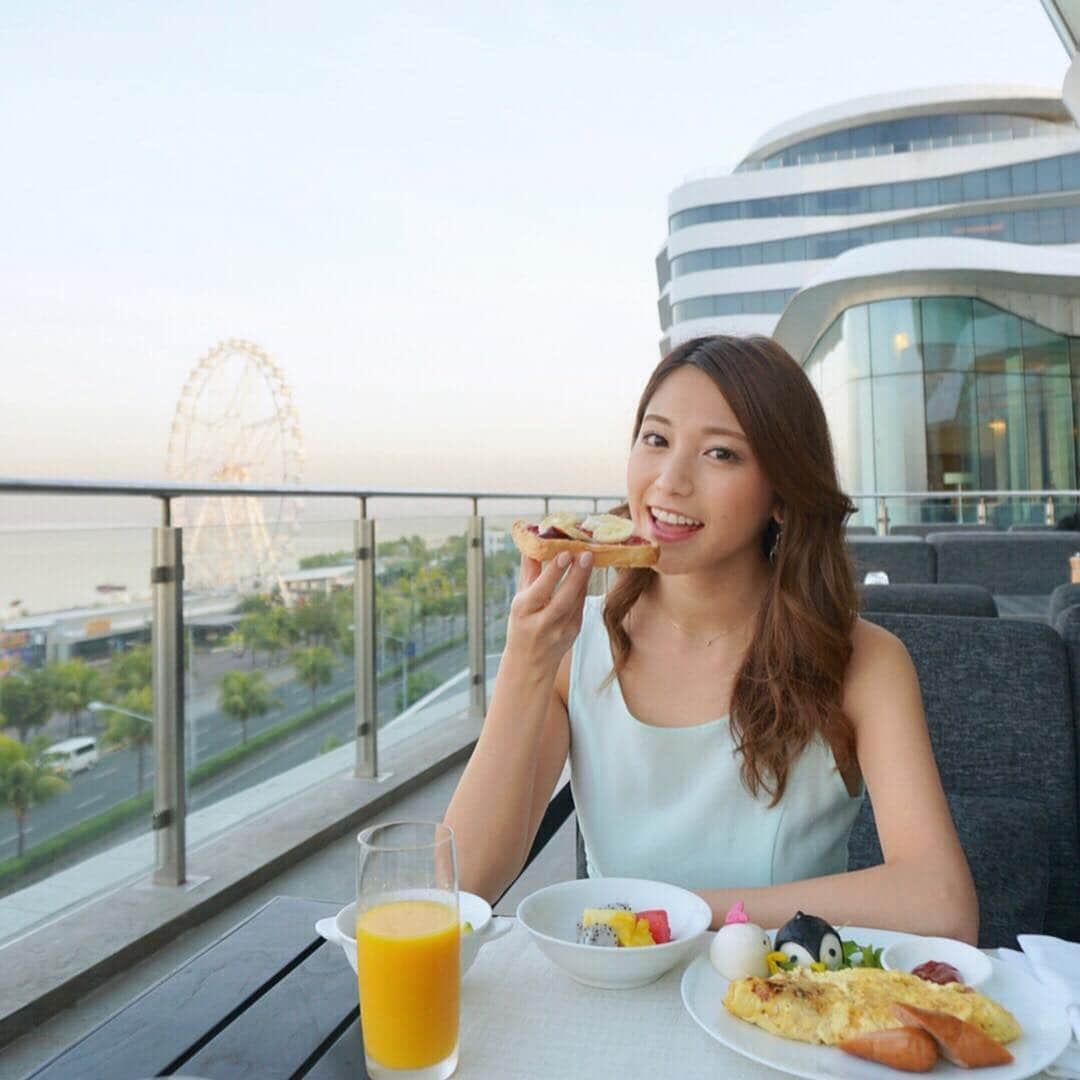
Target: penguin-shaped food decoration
810 942
740 947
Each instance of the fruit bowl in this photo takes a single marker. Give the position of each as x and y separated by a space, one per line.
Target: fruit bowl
474 910
551 914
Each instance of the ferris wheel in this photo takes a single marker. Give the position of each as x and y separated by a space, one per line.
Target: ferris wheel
236 423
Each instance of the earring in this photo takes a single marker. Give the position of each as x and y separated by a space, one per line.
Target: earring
776 543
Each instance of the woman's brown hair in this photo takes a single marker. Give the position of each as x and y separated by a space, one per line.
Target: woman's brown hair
790 686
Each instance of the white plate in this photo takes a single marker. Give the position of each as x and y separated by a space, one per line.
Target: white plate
1046 1032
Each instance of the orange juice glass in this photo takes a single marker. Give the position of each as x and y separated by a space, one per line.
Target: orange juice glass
408 950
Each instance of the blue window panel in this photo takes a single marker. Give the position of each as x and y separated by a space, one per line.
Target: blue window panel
751 254
700 307
1052 226
904 230
1000 227
926 193
795 249
998 183
772 251
1026 227
929 228
1072 230
975 186
1023 179
903 196
943 127
730 304
838 141
1070 172
881 197
952 189
1048 175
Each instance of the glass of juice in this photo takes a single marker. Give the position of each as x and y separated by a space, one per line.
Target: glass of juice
408 950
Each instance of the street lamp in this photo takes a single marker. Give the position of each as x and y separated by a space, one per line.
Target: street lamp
105 706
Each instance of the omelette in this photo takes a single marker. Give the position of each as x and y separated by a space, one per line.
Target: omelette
831 1006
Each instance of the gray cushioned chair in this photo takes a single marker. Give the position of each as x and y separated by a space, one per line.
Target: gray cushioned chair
906 559
939 527
1064 596
1008 564
1029 527
999 710
971 600
860 530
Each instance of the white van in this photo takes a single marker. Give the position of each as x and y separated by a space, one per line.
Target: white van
72 755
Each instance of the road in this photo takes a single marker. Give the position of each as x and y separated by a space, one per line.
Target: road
115 777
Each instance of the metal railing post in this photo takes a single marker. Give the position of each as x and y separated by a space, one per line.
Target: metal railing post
882 517
167 647
980 513
367 741
475 609
1050 515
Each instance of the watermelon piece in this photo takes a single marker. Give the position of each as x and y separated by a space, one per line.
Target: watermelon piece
658 924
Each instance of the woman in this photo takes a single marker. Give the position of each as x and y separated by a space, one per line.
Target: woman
723 710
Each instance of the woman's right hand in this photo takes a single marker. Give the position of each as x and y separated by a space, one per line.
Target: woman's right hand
545 617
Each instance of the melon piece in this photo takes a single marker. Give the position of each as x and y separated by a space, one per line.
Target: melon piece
658 924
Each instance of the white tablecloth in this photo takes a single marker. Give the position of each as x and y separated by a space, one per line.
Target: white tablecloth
521 1017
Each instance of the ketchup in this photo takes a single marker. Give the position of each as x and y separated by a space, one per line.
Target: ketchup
937 971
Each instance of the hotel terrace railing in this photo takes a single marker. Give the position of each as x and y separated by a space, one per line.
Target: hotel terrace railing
167 623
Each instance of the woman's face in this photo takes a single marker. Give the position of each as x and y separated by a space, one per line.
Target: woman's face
694 484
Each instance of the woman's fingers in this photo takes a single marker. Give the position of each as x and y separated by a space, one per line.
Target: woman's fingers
534 595
530 571
571 595
538 588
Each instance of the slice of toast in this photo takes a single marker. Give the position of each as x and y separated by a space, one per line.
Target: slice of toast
623 556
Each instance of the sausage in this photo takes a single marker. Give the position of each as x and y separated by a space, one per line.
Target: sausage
959 1042
907 1048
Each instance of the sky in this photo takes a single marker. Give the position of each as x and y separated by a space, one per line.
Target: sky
439 219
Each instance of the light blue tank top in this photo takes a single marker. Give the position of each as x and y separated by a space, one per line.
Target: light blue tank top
669 803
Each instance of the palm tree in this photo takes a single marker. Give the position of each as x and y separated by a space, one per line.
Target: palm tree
24 701
75 685
245 694
25 781
132 669
134 728
314 668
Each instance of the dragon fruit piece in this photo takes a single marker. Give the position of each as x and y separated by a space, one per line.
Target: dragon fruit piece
618 907
599 934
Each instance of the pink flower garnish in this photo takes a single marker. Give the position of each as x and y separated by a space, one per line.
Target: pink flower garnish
736 915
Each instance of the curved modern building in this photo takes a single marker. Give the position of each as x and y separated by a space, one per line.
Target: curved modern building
920 254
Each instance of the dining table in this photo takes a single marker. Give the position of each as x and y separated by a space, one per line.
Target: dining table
272 999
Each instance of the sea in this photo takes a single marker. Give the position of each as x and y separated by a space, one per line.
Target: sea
57 554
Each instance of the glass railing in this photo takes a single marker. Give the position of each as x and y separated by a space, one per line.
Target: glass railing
267 645
153 718
996 509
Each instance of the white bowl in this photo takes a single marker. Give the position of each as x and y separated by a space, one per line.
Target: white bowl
341 930
974 966
551 916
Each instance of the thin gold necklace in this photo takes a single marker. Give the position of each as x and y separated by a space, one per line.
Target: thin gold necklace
716 637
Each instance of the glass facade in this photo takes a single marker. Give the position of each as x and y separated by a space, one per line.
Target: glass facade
907 134
1058 225
1040 177
944 393
765 302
